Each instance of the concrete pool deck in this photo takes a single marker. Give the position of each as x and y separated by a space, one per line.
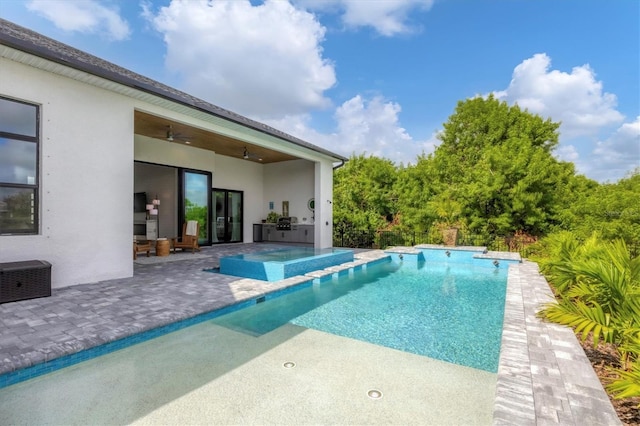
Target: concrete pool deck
544 376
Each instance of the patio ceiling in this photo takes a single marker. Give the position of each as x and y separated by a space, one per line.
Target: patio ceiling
157 128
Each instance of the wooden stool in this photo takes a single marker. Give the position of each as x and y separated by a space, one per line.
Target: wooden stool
162 247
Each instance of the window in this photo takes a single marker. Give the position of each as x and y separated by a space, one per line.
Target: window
19 149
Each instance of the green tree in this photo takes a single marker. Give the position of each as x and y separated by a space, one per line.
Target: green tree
612 209
363 193
415 191
496 162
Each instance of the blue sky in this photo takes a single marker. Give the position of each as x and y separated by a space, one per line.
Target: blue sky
380 76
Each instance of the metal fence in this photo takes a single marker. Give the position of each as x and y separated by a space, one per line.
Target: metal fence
358 238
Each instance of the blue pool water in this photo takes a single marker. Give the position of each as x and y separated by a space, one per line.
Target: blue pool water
276 265
444 310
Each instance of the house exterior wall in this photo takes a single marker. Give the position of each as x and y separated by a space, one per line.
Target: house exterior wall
87 154
289 181
86 175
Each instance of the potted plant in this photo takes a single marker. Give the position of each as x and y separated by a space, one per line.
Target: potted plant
272 217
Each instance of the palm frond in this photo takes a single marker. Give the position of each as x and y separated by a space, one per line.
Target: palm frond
627 384
583 319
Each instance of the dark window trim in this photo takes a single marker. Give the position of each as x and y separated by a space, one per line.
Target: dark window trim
36 186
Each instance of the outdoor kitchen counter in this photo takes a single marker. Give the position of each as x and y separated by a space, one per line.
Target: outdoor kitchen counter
299 233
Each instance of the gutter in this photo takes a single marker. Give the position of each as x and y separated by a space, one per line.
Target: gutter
339 165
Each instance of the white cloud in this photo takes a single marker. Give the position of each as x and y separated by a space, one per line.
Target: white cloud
567 153
84 16
263 61
575 99
586 113
387 17
614 157
363 126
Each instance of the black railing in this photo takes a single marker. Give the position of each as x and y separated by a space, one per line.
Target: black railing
358 238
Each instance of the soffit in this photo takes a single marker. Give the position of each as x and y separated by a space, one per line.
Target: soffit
158 127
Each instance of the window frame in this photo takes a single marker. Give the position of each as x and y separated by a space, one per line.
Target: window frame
35 187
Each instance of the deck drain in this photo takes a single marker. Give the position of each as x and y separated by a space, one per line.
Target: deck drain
289 364
374 394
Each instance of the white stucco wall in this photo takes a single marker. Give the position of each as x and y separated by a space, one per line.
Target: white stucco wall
86 170
324 204
291 181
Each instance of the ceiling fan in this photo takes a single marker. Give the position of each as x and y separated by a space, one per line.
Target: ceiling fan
250 156
172 136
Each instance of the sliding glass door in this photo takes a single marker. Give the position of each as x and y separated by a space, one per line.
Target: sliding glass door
228 216
195 201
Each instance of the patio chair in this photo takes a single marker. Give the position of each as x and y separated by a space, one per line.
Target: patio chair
141 247
189 239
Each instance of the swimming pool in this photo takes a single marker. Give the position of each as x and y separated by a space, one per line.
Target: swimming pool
412 257
450 312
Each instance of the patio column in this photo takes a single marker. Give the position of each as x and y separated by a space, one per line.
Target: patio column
323 194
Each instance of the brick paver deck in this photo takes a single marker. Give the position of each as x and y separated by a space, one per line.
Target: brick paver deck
544 376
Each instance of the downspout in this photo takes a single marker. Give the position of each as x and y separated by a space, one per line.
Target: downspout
339 165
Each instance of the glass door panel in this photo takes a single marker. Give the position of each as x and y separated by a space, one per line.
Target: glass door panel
235 215
219 236
228 216
196 202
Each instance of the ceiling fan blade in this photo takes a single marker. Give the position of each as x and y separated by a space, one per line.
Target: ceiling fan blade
250 156
172 136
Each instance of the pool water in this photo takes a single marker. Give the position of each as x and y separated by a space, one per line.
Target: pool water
441 310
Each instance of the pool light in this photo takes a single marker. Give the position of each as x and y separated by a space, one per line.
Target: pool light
374 394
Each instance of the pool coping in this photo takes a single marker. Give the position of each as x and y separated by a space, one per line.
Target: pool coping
544 376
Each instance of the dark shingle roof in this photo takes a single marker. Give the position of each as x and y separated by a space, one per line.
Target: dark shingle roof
28 41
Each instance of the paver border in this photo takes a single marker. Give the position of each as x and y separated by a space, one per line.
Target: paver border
544 376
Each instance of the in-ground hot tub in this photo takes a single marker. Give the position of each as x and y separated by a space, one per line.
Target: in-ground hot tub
276 265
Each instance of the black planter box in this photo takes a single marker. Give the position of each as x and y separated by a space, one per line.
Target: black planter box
24 280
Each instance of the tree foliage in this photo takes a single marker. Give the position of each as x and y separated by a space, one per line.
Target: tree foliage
363 193
612 209
496 161
493 175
